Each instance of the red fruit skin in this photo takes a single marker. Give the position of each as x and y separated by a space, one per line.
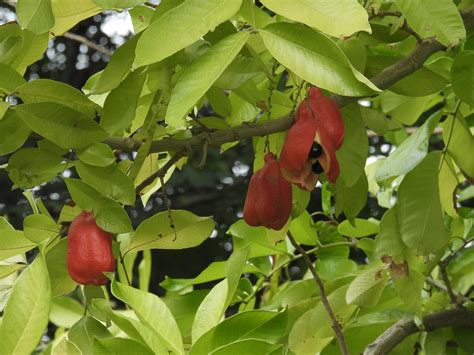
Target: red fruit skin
318 119
268 200
328 115
89 251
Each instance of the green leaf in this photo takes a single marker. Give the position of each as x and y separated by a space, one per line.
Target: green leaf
351 200
448 182
65 347
200 75
410 288
405 109
110 181
61 282
462 73
352 155
97 154
65 311
9 79
247 346
144 270
45 90
257 324
152 311
121 103
85 331
13 132
421 218
13 242
183 308
67 13
109 215
257 238
337 19
36 15
237 73
389 241
315 58
459 140
216 302
20 48
9 269
303 229
141 18
116 70
26 313
130 326
333 267
156 232
215 271
361 228
365 290
438 18
60 124
194 18
409 154
312 331
115 346
29 167
39 227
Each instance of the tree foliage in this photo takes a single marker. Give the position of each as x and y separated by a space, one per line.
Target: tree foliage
198 76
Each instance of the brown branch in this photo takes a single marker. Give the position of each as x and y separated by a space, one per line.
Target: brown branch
322 292
88 43
459 317
383 80
442 287
160 172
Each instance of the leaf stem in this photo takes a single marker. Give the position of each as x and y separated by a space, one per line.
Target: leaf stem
335 324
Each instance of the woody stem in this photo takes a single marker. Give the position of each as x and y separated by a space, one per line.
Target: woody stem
324 299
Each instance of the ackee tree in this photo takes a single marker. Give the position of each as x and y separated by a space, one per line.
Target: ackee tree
384 238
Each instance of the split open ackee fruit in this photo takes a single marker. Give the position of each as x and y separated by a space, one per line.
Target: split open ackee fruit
268 201
89 251
310 146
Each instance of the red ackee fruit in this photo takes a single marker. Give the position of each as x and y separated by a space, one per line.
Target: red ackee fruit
89 251
311 144
268 201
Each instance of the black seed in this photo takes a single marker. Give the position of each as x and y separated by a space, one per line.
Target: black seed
317 168
316 151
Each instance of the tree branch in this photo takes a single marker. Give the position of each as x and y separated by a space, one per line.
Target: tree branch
322 292
88 43
459 317
383 80
160 172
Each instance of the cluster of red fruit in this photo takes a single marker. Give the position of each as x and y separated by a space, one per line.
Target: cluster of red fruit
309 150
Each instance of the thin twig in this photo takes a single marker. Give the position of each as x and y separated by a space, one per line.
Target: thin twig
168 206
335 324
160 172
442 287
205 148
88 43
410 31
124 269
